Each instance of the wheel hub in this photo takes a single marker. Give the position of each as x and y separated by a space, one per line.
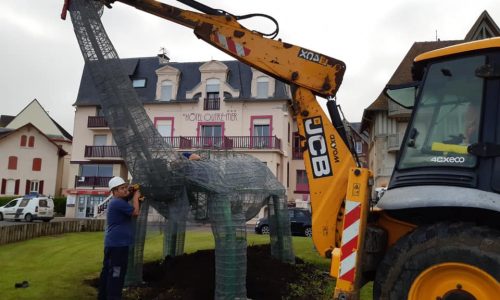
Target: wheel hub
457 294
454 281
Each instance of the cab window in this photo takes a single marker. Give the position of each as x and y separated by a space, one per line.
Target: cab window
24 202
447 116
11 204
42 203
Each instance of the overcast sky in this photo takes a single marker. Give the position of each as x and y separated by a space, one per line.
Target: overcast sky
40 58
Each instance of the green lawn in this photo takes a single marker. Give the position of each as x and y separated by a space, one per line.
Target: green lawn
56 266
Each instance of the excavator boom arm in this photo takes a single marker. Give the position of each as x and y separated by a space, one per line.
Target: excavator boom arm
289 63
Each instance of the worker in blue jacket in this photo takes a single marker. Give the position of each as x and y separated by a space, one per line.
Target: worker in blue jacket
118 238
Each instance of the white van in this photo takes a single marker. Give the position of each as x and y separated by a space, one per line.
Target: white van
28 208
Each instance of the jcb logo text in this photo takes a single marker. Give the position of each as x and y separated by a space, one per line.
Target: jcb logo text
318 151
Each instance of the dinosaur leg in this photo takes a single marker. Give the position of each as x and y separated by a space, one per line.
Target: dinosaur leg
228 226
175 228
279 221
136 251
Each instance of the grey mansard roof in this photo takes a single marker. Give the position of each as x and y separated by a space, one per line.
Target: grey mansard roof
239 77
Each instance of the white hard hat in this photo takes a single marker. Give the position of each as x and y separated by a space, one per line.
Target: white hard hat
115 181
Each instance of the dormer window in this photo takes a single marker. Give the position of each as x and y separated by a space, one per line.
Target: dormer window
212 101
262 87
166 90
139 82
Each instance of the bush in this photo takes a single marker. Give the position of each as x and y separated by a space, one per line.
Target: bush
4 200
60 206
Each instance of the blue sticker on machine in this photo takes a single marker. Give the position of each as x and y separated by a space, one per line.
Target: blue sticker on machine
318 149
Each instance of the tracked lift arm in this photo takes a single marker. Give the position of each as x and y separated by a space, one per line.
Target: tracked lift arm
338 189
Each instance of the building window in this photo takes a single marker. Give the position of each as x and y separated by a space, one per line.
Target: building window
297 152
261 131
302 183
34 185
212 101
23 140
262 87
12 163
165 127
359 147
211 135
10 187
166 90
31 142
139 82
96 170
100 140
37 164
99 112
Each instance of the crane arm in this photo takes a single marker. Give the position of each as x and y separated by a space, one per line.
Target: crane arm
292 64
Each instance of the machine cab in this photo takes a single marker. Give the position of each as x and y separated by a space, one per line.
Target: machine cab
453 136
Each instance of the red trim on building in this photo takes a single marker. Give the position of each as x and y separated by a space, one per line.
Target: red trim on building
31 142
23 140
87 192
37 164
27 189
16 186
4 186
12 163
40 187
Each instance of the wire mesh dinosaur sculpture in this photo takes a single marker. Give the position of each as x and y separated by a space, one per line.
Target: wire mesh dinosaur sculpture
225 189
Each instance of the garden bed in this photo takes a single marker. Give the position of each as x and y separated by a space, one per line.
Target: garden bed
192 277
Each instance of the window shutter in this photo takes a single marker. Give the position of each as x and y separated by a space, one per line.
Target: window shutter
37 164
4 184
16 188
12 163
40 187
28 183
23 141
31 142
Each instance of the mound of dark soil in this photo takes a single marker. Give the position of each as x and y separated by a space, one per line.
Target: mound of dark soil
192 277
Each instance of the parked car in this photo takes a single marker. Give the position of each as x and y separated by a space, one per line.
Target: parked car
28 208
300 223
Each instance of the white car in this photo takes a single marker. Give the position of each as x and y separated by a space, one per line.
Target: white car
28 208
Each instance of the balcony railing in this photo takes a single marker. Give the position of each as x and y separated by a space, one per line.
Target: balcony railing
198 142
211 104
224 142
96 122
91 181
102 151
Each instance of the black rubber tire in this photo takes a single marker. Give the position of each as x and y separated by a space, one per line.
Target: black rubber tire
1 217
431 245
28 218
308 232
265 229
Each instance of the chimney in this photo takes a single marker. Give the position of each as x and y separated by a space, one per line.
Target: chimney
162 57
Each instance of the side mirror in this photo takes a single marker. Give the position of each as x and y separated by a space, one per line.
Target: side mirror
403 94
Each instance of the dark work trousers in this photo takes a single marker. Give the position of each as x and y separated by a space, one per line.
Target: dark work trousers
114 268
